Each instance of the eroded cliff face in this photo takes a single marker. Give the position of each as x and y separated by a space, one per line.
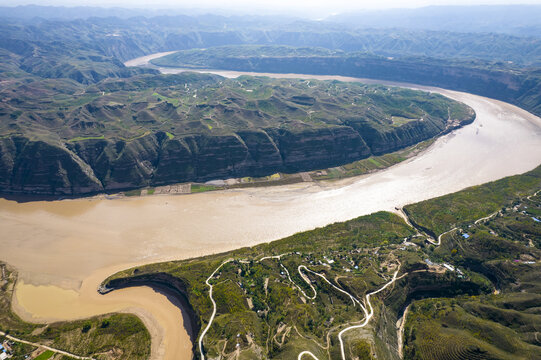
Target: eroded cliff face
28 166
91 166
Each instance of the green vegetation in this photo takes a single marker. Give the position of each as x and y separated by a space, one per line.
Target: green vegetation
480 327
446 212
356 168
487 76
173 101
123 335
371 164
503 250
135 192
209 58
267 308
421 44
197 188
162 129
194 103
73 119
45 355
80 138
265 313
66 94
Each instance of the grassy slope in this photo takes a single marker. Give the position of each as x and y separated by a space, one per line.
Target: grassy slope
342 242
373 244
183 32
497 79
503 249
446 212
219 55
192 103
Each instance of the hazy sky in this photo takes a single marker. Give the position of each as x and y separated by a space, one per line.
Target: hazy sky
282 6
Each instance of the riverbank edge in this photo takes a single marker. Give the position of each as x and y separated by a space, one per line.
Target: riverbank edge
132 278
23 197
165 284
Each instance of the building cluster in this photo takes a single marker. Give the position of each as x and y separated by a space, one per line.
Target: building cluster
5 350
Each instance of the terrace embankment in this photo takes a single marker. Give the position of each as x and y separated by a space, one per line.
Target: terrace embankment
62 244
199 127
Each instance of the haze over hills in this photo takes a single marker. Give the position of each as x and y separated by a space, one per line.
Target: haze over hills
126 39
521 20
73 60
452 278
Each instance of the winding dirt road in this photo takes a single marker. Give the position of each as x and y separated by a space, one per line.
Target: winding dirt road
61 248
61 352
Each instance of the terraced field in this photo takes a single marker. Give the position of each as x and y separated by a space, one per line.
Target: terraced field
162 129
502 250
297 296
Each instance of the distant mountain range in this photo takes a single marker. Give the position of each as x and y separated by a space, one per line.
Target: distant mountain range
520 20
67 96
133 37
511 19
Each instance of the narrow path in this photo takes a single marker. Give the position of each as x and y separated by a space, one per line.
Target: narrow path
62 352
213 308
534 194
438 243
368 315
402 214
400 334
298 287
367 304
200 342
353 299
429 238
486 217
300 269
306 352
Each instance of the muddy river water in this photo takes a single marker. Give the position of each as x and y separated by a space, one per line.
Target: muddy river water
64 249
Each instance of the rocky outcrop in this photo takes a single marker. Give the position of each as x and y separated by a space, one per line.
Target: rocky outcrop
96 165
38 167
381 142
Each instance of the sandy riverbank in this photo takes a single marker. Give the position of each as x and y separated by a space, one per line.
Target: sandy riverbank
69 246
161 313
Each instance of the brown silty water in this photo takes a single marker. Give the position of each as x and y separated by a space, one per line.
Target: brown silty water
64 249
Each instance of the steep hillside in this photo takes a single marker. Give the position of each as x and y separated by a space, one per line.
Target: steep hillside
58 137
341 291
127 38
502 81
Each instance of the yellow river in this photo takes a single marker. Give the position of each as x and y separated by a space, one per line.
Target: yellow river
64 249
